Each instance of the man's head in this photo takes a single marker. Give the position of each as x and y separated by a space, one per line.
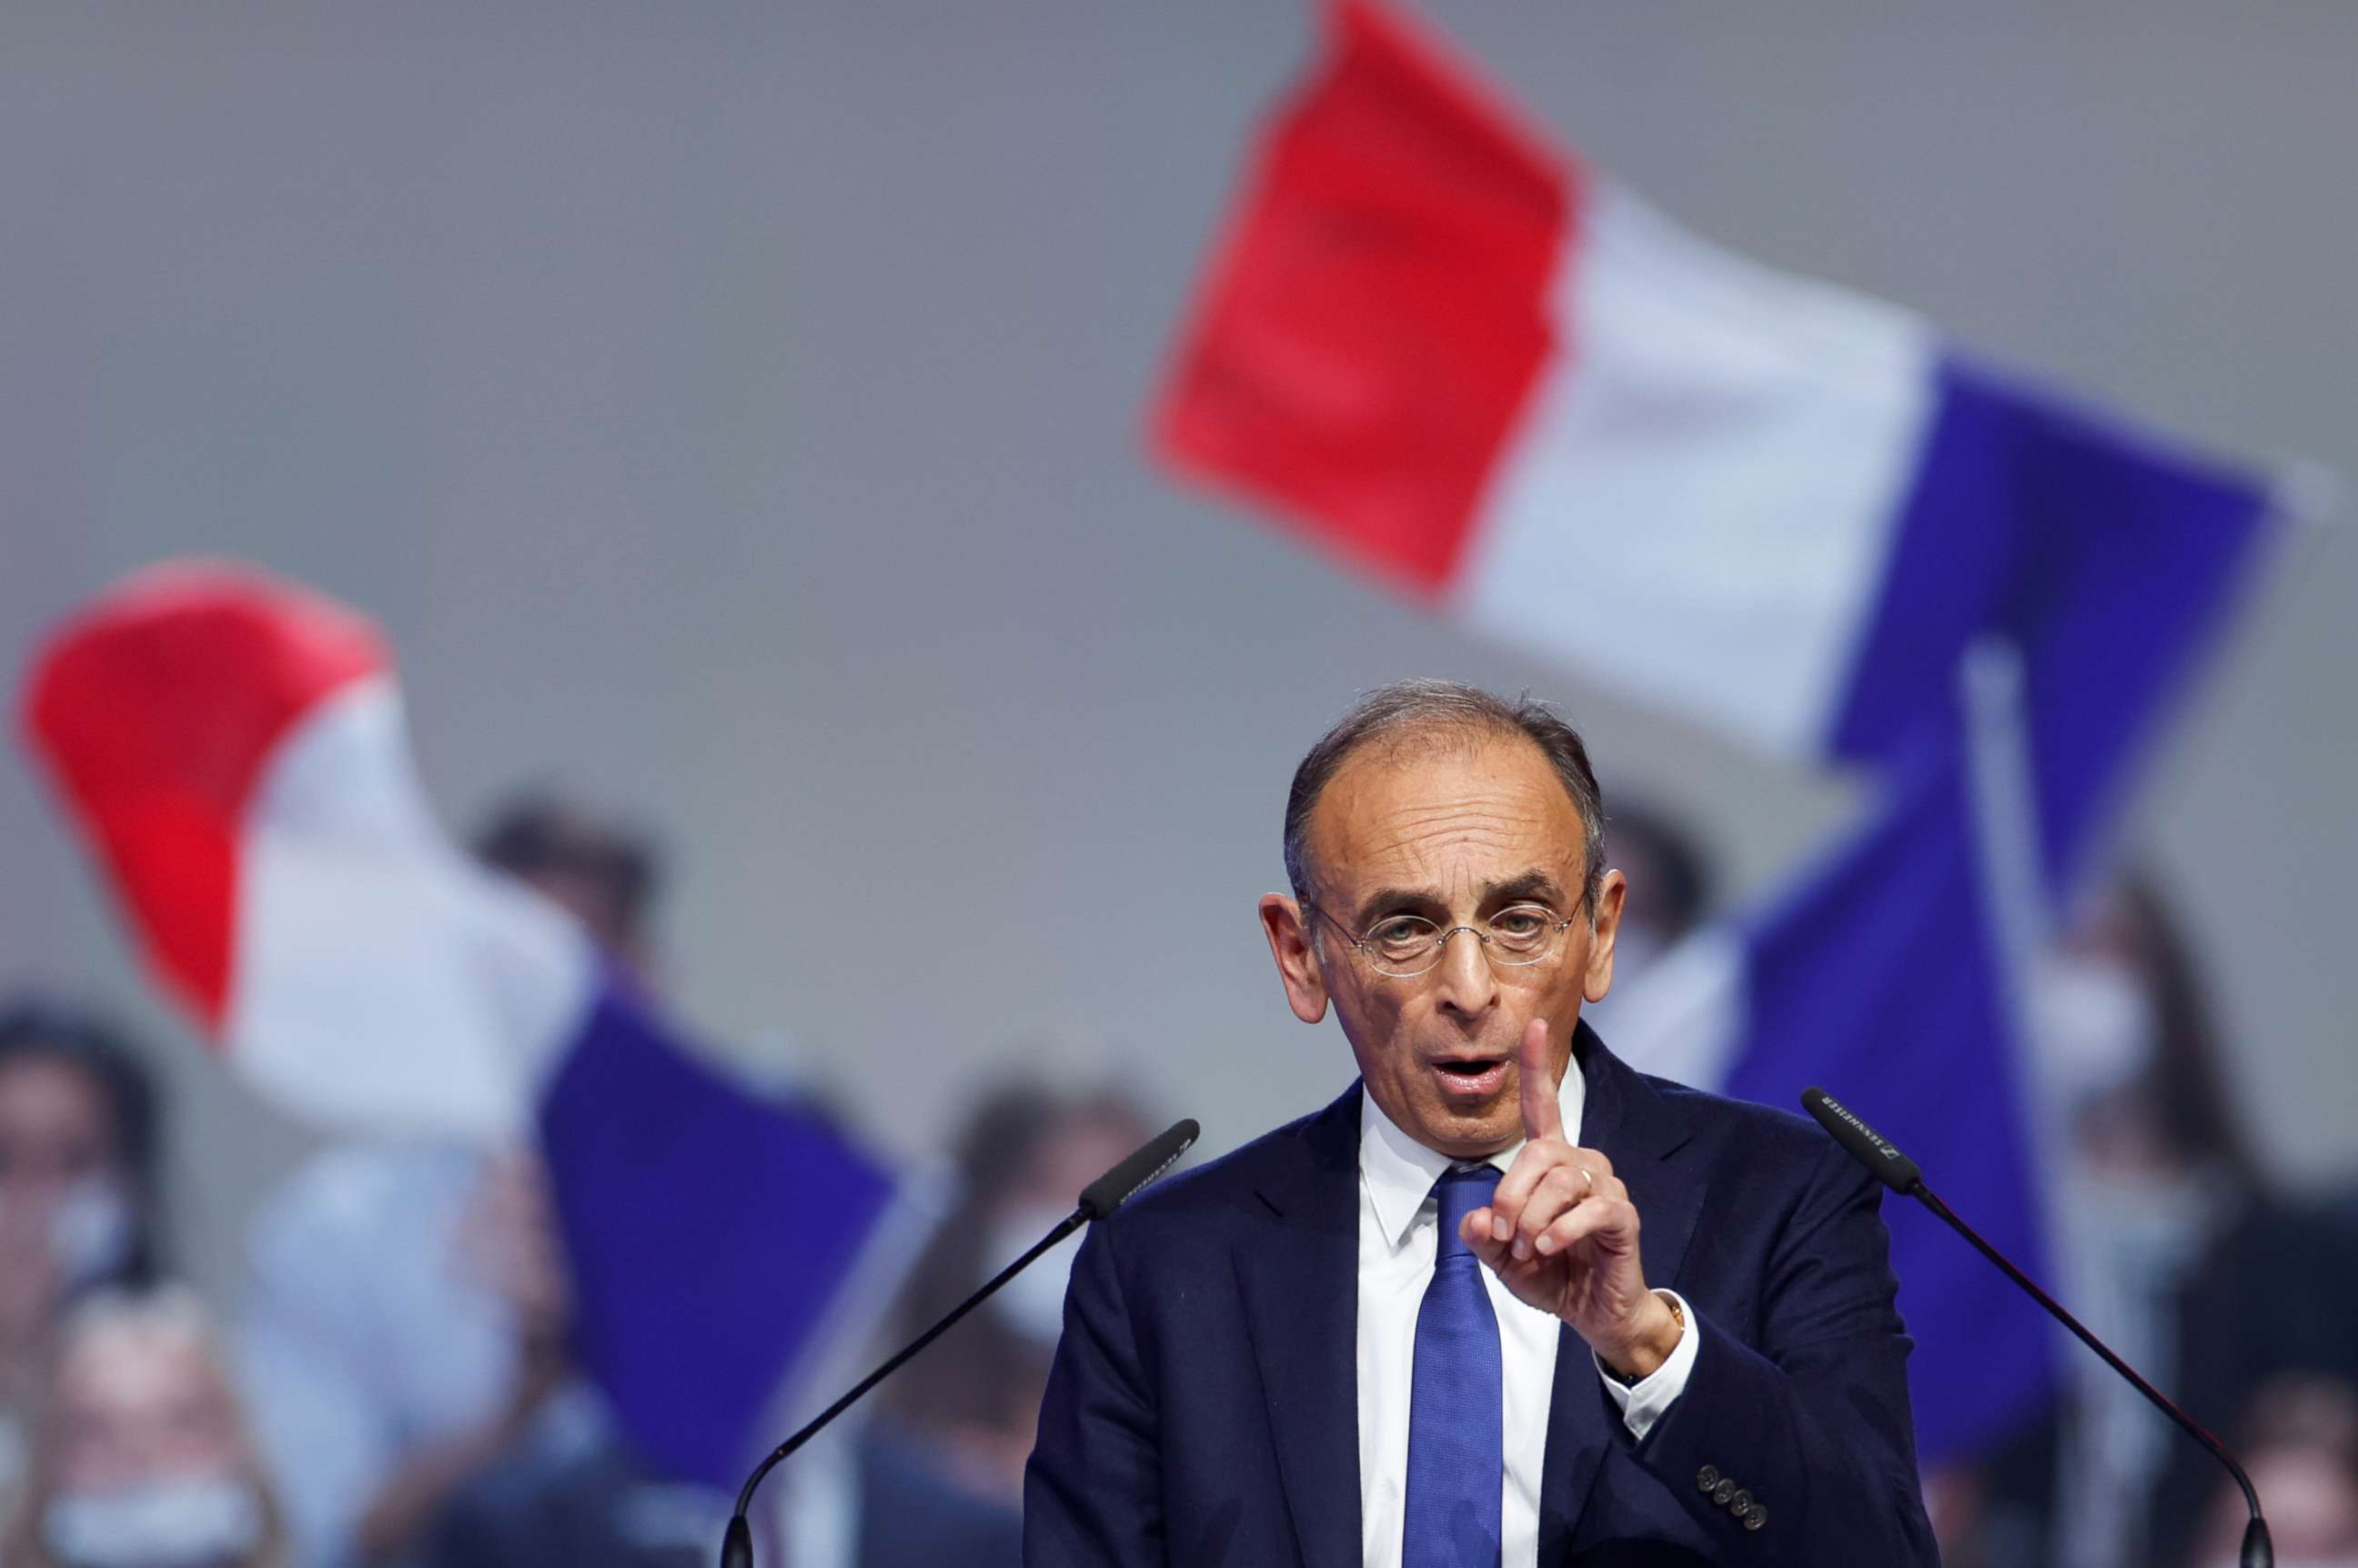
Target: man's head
1432 806
78 1144
1670 875
604 873
143 1459
139 1391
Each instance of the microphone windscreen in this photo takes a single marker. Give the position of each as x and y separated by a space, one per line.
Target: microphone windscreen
1867 1146
1116 1188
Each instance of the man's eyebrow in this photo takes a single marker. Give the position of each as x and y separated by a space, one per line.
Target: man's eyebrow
1532 886
1391 901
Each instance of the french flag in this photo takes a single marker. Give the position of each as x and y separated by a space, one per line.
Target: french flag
1883 972
1472 366
234 751
1465 363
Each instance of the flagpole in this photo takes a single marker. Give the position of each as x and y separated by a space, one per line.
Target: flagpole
2000 777
2001 781
2006 814
2307 493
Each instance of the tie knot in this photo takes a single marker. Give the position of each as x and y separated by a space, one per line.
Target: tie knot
1461 1191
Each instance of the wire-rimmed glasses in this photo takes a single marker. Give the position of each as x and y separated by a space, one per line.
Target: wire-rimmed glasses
1407 945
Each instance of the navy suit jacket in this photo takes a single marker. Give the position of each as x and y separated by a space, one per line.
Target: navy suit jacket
1204 1405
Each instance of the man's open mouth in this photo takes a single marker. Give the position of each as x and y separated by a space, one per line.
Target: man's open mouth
1471 1075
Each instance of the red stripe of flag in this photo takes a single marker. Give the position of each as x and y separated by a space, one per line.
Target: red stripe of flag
156 709
1378 315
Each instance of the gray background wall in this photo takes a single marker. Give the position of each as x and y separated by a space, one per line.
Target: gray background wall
733 410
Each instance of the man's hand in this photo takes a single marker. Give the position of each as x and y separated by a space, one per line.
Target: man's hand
1562 1233
31 1289
510 1242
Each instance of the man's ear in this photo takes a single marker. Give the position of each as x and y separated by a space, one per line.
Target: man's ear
1297 957
1609 894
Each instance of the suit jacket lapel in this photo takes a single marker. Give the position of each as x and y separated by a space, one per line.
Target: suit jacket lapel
1631 1123
1299 1278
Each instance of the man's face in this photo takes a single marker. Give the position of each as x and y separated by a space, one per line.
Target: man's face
1454 832
588 899
137 1403
55 1128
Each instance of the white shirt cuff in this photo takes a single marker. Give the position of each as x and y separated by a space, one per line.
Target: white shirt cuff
1646 1401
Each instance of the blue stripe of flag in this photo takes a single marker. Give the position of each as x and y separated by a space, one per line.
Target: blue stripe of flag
710 1231
1879 977
2103 556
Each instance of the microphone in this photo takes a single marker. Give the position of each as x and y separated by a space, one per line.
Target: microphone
1099 1199
1867 1146
1898 1172
1121 1183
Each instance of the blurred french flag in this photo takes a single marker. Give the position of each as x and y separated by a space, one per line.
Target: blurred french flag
1884 971
1467 364
232 749
1455 358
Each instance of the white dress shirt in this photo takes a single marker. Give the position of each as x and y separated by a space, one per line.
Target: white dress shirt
1398 1240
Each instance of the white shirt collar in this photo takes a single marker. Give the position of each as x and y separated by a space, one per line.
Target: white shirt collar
1398 1171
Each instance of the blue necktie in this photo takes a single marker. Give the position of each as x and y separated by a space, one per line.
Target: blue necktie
1457 1447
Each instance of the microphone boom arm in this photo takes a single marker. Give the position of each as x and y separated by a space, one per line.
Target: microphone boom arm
810 1429
1896 1171
1923 1194
1100 1198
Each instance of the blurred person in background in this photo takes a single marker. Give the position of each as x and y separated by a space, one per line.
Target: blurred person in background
142 1460
2126 1067
2131 1065
938 1477
407 1336
969 1409
605 873
78 1179
1671 884
2300 1442
407 1316
2274 1306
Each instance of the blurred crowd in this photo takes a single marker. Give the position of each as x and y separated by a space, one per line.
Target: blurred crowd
393 1385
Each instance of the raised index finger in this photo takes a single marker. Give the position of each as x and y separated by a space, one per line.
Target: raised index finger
1541 1117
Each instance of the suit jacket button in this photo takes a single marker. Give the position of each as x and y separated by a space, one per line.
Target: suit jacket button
1738 1503
1708 1478
1725 1490
1757 1518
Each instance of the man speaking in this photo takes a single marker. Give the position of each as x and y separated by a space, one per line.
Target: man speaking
1506 1301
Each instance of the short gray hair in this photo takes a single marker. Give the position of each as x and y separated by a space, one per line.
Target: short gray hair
1417 707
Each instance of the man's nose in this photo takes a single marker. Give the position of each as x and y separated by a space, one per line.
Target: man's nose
1469 986
35 1185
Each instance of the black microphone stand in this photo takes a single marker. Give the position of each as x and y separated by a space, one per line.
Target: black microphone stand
737 1545
1099 1199
2258 1551
1898 1172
